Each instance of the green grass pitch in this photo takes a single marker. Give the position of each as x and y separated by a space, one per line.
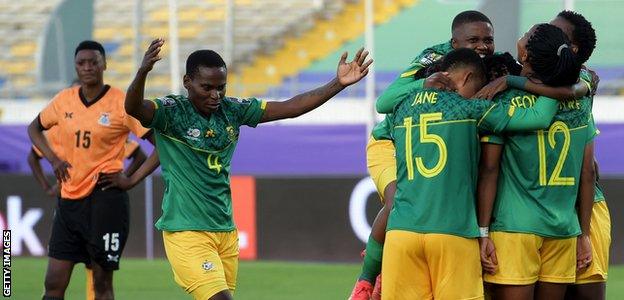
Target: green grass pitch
142 279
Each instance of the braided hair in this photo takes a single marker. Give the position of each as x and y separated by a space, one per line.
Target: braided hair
551 57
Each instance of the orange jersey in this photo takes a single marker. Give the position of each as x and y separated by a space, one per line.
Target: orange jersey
130 147
53 141
92 135
52 136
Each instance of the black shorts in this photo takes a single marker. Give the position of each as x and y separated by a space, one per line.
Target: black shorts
92 229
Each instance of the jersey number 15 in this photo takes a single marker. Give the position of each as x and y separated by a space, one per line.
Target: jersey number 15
425 137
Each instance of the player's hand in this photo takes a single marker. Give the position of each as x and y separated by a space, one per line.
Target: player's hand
151 55
115 180
491 89
489 262
352 72
440 81
595 80
53 191
60 169
583 252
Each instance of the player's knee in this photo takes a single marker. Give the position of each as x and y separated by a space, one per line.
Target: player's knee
103 284
55 285
222 295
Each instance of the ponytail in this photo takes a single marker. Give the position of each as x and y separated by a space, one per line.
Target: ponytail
551 57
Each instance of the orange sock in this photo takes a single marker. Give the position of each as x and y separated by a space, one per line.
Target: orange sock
89 288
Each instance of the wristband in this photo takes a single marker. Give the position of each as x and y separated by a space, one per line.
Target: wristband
516 82
484 232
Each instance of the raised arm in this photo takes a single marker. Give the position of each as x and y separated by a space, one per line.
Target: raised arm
347 74
135 105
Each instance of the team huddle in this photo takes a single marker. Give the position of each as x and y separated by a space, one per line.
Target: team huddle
492 198
484 164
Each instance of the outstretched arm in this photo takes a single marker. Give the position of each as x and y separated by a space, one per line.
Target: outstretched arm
347 74
561 93
135 105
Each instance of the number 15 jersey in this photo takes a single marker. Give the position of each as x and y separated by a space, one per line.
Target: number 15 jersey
92 135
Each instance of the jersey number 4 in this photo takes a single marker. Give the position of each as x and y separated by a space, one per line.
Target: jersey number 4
555 177
425 137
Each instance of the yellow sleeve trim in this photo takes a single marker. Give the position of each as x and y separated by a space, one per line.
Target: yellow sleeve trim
589 87
155 103
409 73
485 114
485 139
263 104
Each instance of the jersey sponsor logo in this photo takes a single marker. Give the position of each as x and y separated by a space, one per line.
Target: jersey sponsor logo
168 101
193 134
207 266
104 119
69 115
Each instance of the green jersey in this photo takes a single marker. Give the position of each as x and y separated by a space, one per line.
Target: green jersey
436 138
598 194
586 78
383 130
539 178
397 89
195 154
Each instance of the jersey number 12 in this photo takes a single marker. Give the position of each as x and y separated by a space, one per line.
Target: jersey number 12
555 177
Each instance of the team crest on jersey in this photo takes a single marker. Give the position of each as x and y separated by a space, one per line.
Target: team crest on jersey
231 133
104 119
168 101
429 58
207 266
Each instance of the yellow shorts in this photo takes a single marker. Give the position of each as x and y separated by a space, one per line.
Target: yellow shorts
430 266
526 258
381 163
203 263
600 235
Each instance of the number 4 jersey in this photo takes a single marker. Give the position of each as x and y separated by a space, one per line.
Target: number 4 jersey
540 173
436 135
92 135
195 154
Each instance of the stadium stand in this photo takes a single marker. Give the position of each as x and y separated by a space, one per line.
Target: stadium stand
288 48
